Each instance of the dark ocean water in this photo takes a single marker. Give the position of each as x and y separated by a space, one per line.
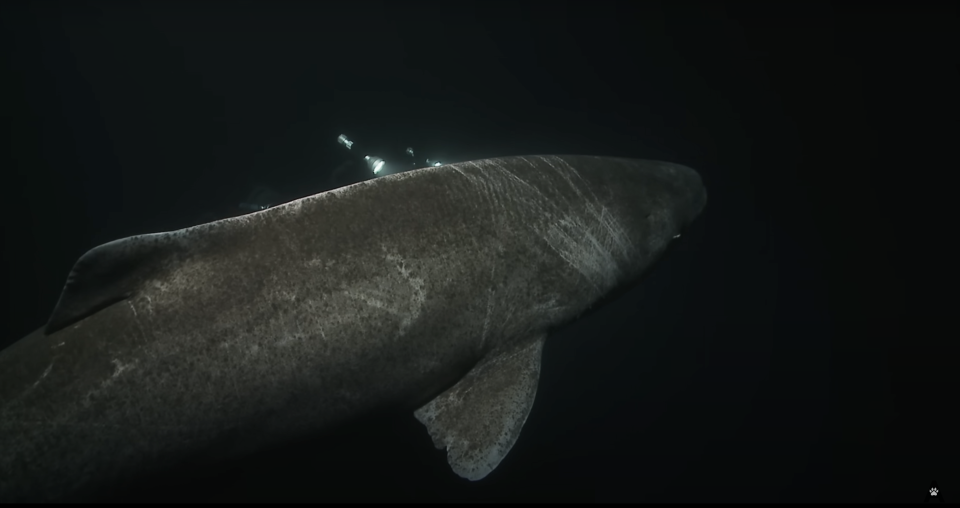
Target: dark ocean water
766 358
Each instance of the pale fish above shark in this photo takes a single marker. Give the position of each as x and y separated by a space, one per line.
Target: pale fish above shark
432 289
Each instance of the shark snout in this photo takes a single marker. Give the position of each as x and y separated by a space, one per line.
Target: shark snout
698 200
693 195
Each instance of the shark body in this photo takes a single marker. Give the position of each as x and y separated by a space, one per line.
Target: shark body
431 290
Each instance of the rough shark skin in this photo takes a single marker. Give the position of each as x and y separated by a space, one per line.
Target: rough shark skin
431 290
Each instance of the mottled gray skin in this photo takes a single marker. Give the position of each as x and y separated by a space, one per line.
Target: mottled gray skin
227 337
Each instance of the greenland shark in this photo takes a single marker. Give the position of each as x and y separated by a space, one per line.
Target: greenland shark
431 290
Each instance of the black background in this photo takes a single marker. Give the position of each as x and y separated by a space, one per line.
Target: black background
769 357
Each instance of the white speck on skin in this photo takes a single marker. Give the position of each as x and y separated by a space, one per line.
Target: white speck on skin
120 367
45 372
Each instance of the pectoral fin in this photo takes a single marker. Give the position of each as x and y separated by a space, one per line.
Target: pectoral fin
479 419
